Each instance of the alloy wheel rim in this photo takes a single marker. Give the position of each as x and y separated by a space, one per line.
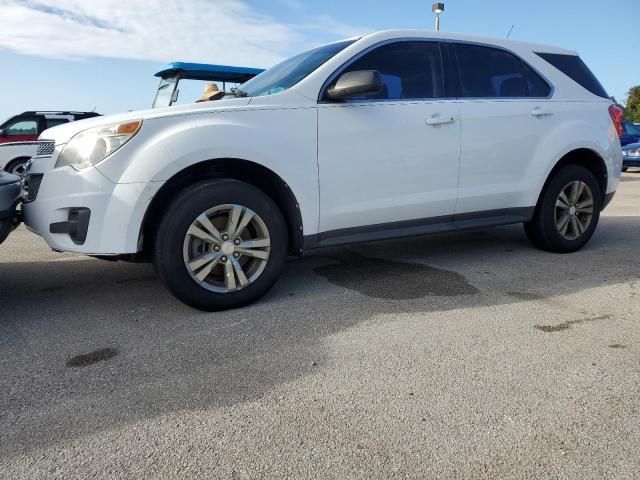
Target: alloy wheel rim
574 210
226 248
20 169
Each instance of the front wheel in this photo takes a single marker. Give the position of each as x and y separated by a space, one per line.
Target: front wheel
17 167
568 212
221 244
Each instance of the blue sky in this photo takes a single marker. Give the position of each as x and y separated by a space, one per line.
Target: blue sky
86 54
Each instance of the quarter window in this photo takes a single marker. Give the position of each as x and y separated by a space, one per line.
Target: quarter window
410 70
493 73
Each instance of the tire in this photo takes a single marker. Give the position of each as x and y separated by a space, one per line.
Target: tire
182 243
565 227
17 166
624 169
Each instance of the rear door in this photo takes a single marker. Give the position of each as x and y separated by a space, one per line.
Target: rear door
505 110
390 158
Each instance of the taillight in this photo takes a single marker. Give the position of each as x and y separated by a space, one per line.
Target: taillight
616 115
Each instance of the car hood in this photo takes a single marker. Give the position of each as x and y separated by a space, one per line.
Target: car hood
631 146
63 133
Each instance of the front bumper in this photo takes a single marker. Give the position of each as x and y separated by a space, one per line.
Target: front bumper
628 162
84 212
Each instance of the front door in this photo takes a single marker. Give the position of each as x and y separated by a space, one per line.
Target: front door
391 160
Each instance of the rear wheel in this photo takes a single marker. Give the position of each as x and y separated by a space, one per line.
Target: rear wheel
221 244
568 212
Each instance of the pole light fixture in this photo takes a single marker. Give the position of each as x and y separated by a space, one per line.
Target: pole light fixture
437 8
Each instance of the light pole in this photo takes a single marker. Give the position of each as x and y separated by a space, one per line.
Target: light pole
437 8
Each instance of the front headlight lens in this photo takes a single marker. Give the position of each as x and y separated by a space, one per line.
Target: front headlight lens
93 145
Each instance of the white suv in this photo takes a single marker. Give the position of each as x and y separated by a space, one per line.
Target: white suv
394 134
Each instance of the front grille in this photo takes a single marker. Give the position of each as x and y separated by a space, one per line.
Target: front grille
45 148
32 186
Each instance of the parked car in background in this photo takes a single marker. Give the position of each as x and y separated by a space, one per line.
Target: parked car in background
630 133
630 156
393 134
10 190
18 135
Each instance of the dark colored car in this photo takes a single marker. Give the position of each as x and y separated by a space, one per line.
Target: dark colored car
10 191
26 126
630 156
630 133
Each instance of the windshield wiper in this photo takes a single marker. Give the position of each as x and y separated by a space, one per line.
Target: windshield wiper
238 93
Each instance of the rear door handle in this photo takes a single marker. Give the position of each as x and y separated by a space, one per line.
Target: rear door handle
540 112
436 119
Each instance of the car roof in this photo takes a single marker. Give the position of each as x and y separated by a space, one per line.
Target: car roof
56 112
463 37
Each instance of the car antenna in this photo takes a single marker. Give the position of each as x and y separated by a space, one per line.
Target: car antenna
510 30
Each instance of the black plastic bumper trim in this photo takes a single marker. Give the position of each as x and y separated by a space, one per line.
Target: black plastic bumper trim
76 227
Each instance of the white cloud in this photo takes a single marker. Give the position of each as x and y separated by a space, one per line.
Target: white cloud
211 31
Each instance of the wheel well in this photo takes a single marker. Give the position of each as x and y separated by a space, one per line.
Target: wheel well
588 159
14 160
243 170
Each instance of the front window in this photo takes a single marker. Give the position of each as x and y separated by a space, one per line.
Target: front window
410 70
288 73
22 127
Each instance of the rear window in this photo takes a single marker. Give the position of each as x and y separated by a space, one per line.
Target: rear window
577 70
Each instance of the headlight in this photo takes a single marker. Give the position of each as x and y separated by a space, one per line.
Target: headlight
93 145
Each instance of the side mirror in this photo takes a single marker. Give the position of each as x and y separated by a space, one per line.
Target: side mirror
351 84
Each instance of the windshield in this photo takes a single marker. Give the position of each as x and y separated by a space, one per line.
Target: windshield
164 96
630 128
286 74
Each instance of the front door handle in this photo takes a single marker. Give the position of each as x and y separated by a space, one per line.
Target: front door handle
436 119
540 112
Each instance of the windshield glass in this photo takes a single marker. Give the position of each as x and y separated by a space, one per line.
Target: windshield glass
630 128
286 74
165 92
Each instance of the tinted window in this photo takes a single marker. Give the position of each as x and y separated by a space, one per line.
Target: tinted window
22 127
490 73
410 70
54 122
538 87
577 70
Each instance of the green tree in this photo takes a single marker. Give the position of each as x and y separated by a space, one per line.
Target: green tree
632 110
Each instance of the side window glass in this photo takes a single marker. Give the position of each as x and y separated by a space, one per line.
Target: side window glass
410 70
490 73
54 122
22 127
538 87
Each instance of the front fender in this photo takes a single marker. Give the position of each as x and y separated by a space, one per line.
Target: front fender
283 140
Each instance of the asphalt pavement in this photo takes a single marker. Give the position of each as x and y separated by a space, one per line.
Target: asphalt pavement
468 355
